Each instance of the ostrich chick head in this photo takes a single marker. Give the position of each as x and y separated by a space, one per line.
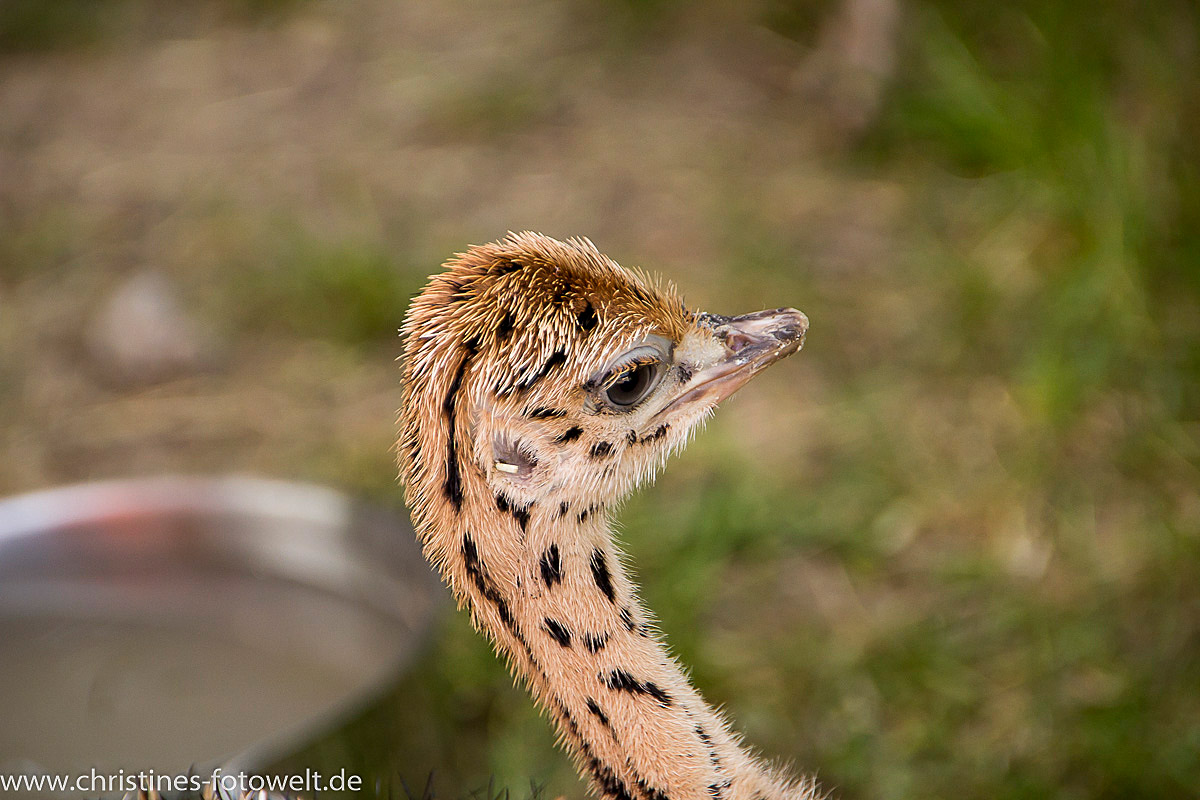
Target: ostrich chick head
558 374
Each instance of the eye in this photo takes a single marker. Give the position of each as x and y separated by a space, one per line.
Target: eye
630 377
631 386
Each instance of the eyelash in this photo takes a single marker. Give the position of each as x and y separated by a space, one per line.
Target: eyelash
626 368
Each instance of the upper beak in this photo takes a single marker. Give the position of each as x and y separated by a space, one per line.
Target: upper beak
752 342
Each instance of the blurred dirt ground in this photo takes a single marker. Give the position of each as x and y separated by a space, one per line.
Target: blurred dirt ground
391 135
952 549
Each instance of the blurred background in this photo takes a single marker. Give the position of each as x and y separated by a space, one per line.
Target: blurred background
950 550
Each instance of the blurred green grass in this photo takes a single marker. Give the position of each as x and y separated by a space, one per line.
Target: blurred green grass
972 567
41 26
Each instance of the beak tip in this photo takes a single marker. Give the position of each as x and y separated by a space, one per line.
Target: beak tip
790 326
799 318
780 329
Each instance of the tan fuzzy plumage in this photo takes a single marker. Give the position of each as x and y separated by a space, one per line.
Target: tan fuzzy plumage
542 383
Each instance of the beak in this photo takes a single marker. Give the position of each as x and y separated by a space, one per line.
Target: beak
751 342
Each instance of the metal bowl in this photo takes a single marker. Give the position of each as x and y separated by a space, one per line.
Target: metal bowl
178 623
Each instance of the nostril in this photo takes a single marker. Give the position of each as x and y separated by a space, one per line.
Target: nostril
737 341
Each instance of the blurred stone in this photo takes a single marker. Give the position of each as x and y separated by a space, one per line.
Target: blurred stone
142 334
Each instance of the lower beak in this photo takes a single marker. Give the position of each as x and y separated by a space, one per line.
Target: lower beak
752 343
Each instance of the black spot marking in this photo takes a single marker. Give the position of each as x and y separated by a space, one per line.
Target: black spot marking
595 642
607 780
477 572
546 413
715 790
627 618
685 371
558 631
597 712
583 515
453 484
650 792
557 359
505 327
521 515
631 437
563 508
658 694
564 289
461 291
502 503
569 435
621 681
587 318
603 775
506 266
551 566
602 576
601 449
656 434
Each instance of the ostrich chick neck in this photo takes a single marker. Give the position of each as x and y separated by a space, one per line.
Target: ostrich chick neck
543 382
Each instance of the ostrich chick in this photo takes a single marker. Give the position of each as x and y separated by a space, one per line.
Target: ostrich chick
542 383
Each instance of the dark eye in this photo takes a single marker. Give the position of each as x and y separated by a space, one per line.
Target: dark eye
633 384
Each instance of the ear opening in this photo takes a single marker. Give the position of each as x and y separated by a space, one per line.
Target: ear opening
513 459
